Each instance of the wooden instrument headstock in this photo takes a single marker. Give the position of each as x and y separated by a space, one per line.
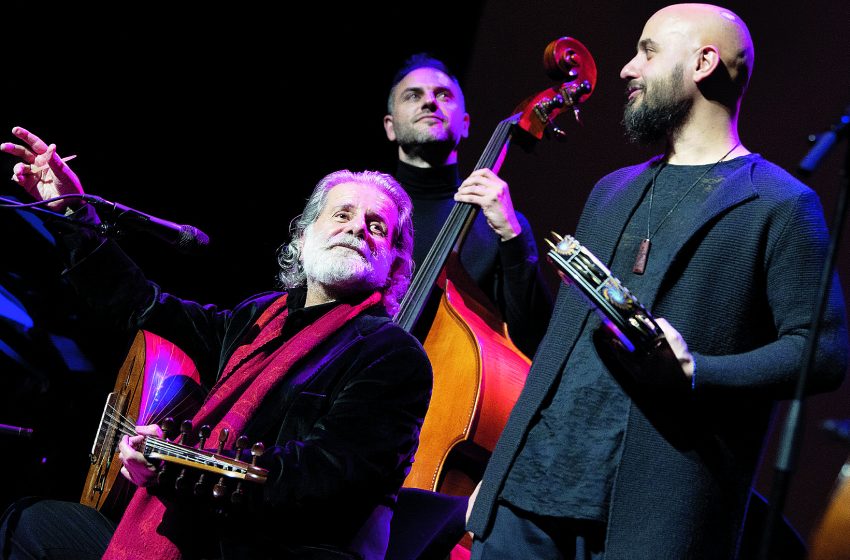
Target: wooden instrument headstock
199 465
568 61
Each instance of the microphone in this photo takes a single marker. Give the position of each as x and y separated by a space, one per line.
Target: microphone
15 431
185 238
823 143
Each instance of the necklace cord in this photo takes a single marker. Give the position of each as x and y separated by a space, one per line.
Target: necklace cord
649 235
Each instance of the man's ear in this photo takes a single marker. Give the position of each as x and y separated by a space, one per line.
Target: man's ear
465 133
388 128
301 247
706 63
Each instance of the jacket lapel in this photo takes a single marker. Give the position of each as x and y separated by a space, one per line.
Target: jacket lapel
603 230
736 189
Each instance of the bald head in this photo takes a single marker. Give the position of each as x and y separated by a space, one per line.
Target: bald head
702 25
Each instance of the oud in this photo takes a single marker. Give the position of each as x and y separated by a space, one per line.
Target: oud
157 381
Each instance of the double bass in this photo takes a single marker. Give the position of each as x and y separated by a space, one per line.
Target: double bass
478 371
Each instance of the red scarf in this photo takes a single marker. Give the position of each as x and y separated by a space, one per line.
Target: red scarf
231 403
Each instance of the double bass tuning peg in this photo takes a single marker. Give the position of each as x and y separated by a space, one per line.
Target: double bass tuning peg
557 133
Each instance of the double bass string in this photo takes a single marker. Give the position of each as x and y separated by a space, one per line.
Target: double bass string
458 216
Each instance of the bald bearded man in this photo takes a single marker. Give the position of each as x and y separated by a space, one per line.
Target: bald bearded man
613 455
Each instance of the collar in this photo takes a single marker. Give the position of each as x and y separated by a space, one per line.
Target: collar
428 182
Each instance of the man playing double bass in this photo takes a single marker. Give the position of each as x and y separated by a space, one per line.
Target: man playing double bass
427 118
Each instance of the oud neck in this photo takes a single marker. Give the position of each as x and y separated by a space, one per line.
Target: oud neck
451 236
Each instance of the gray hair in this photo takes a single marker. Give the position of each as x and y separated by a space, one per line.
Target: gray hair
292 274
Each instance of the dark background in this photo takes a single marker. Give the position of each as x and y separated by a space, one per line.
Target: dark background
225 119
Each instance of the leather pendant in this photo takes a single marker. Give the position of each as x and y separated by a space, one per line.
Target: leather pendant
642 255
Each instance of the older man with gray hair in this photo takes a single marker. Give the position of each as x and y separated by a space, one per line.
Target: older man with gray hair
319 373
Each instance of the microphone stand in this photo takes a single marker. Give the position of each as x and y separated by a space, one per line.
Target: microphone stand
12 204
789 444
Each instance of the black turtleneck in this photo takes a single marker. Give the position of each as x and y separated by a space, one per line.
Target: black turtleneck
507 272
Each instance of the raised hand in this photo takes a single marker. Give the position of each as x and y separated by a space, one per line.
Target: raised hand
42 173
486 190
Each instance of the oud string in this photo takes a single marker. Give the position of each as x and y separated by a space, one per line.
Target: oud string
125 426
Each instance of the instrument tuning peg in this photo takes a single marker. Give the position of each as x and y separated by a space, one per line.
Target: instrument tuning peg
241 443
186 430
181 483
577 114
160 475
257 450
199 486
557 133
219 489
169 428
222 439
238 495
203 435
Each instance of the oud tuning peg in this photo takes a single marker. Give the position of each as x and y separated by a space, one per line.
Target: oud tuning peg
551 245
558 237
181 483
219 489
241 443
199 486
256 451
169 428
160 475
203 435
222 439
238 495
186 429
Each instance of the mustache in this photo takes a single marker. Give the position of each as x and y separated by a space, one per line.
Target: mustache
633 85
349 241
429 114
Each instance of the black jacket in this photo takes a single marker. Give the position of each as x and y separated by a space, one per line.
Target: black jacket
342 426
739 285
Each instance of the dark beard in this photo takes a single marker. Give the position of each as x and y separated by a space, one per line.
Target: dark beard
662 112
434 152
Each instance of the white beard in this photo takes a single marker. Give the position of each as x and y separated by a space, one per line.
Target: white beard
340 269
